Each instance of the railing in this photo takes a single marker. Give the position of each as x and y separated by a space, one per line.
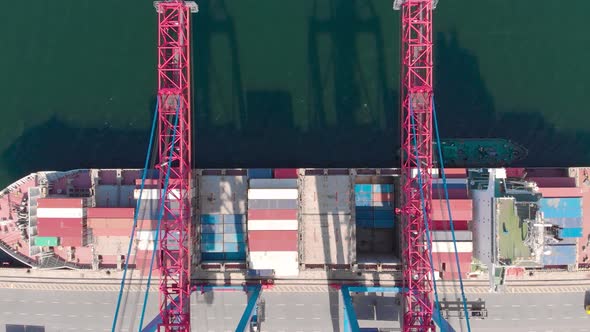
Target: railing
17 255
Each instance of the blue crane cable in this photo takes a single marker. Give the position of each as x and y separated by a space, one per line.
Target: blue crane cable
137 206
423 204
444 179
160 215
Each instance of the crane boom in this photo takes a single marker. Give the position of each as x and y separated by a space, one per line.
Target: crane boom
175 165
416 145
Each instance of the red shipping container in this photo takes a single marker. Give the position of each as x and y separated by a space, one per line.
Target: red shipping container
554 182
148 182
445 225
110 223
461 209
455 173
113 213
285 173
561 192
447 264
60 203
70 241
272 240
547 172
515 172
110 232
61 223
382 197
454 193
272 214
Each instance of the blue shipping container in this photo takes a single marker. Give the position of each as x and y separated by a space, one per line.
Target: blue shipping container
383 188
212 256
211 237
561 207
235 256
363 197
205 228
565 222
383 204
260 173
234 247
571 232
233 218
440 186
234 228
233 237
364 212
383 223
364 223
364 203
212 247
560 255
363 188
211 219
383 213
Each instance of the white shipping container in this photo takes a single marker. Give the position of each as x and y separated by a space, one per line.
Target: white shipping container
273 193
146 235
449 247
154 194
273 183
284 263
60 213
273 225
146 245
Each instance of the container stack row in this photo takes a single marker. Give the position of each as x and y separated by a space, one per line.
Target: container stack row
443 253
110 221
63 218
272 225
223 237
374 205
566 213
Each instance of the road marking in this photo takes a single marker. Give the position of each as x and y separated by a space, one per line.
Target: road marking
106 316
497 306
515 318
227 304
550 305
7 312
88 303
567 317
299 304
550 318
106 303
299 318
39 301
317 318
532 318
281 304
227 318
22 313
568 304
532 305
55 302
515 306
281 318
55 315
39 314
497 318
72 316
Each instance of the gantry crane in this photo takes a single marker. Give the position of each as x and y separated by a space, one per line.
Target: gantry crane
175 166
416 145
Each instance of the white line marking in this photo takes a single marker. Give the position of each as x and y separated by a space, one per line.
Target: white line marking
227 304
532 318
72 316
55 302
532 305
515 318
299 318
281 318
515 306
281 304
550 305
39 314
7 312
299 304
568 304
317 318
497 306
55 315
567 317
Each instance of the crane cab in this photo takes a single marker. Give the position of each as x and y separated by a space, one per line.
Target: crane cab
587 302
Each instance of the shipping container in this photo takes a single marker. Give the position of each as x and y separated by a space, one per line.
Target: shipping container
71 241
73 203
461 209
365 203
365 223
273 204
383 223
273 194
110 231
211 219
273 240
465 246
212 247
383 204
446 262
285 173
439 193
441 187
547 172
383 213
565 222
570 232
367 197
260 173
273 183
559 255
458 182
278 214
561 207
118 223
211 237
284 263
154 194
74 213
448 236
383 188
111 213
148 182
560 192
234 237
445 225
235 256
273 225
233 219
268 273
568 241
363 212
59 224
554 182
234 228
515 172
453 173
212 256
46 241
234 247
383 197
212 228
363 188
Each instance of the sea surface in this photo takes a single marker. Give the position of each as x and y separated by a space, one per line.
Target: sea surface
287 83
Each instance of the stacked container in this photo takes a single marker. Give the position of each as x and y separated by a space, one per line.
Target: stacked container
110 221
272 226
566 213
374 205
443 253
63 218
223 237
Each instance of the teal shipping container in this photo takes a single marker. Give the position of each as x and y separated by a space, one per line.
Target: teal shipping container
571 233
212 246
211 237
363 188
211 219
234 237
382 188
46 241
233 218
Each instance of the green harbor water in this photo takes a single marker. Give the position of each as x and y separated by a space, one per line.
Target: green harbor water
287 83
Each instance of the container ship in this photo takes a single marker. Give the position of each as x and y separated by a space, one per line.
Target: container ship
285 223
